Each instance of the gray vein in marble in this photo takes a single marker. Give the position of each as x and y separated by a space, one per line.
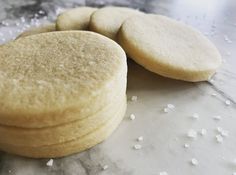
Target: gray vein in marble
222 93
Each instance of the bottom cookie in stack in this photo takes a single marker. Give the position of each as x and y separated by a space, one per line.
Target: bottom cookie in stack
71 146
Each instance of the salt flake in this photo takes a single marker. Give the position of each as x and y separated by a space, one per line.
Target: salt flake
194 162
214 94
140 139
212 81
195 116
192 134
137 146
50 162
186 145
224 133
171 106
219 129
166 110
219 138
217 117
203 132
134 98
227 102
105 167
41 12
163 173
132 116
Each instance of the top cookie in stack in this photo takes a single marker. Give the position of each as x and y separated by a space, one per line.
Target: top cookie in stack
69 70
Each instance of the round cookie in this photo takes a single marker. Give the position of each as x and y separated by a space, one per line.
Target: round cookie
108 20
75 19
169 48
61 133
70 147
48 78
36 30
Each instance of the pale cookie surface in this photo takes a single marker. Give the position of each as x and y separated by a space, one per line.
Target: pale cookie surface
169 48
75 19
41 29
47 77
108 20
70 147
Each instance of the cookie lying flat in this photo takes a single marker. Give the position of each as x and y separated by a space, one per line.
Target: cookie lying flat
108 20
47 78
41 29
70 147
75 19
169 48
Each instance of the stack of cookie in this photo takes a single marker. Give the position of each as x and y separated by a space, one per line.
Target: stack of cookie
63 92
60 92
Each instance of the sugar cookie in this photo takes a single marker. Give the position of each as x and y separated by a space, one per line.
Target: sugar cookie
108 20
75 19
169 48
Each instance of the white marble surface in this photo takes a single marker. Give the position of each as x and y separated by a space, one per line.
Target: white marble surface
164 133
